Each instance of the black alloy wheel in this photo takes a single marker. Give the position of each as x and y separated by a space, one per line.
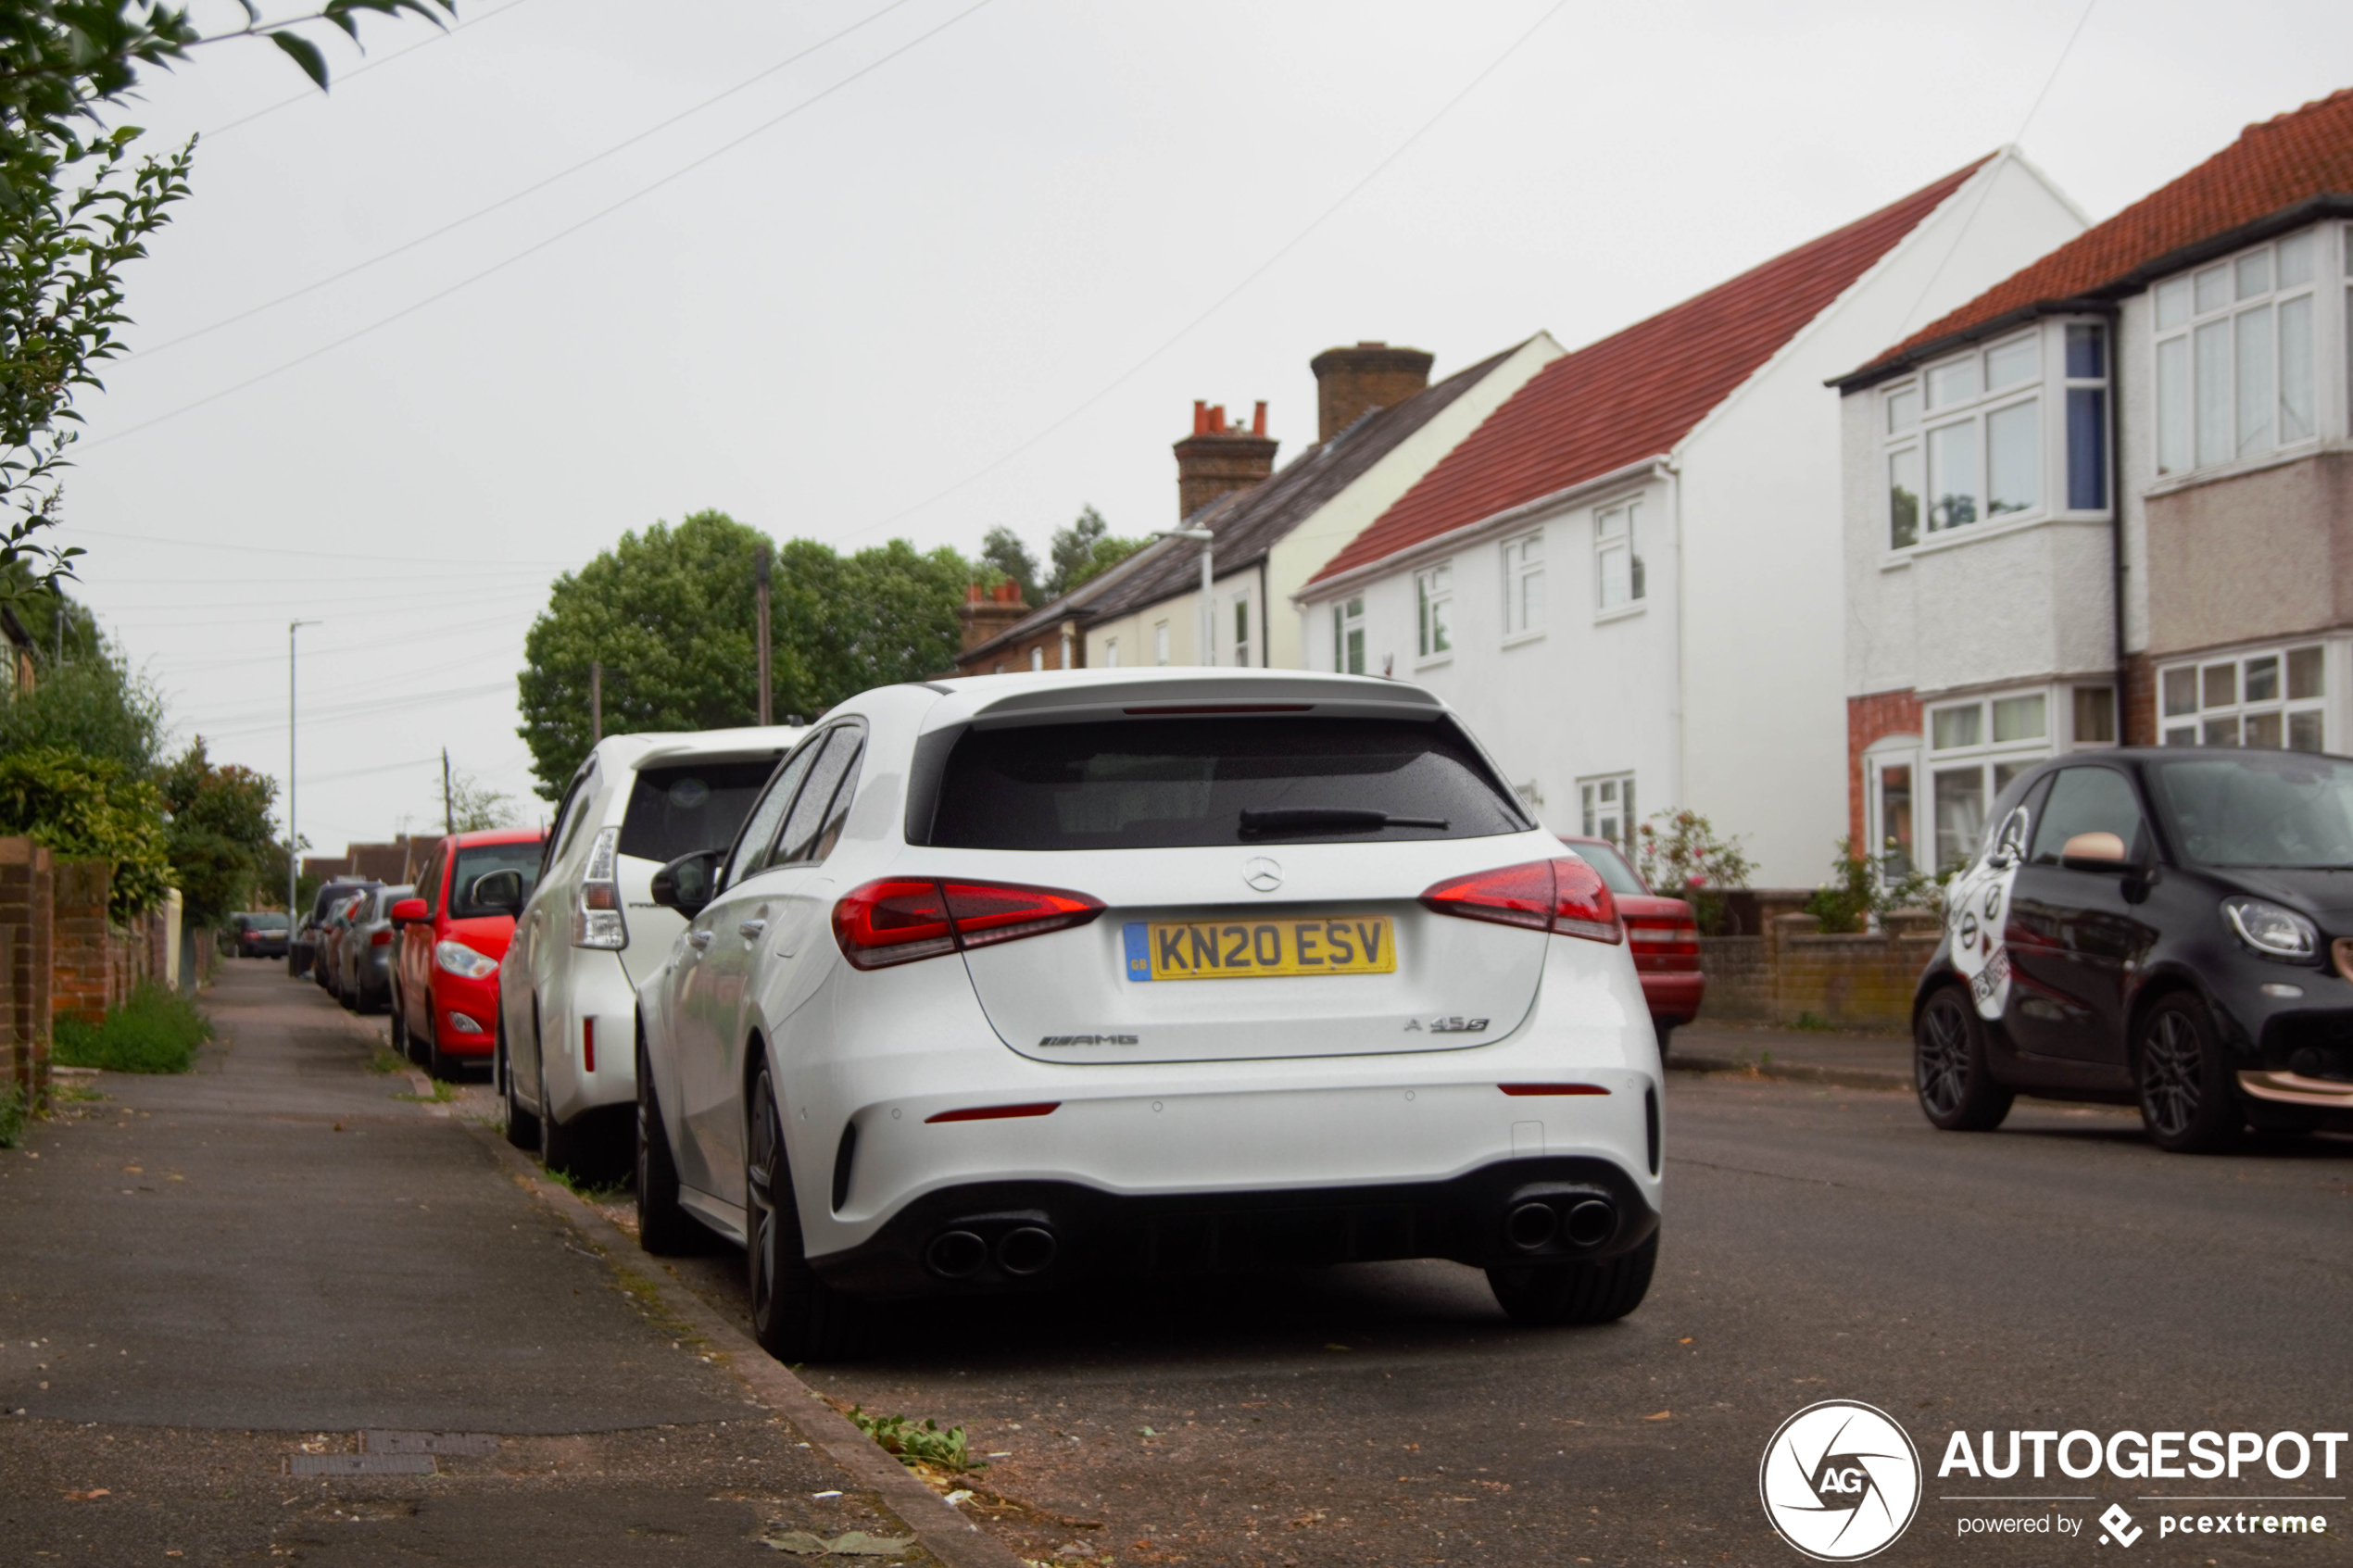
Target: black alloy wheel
664 1228
1958 1091
1559 1295
2189 1102
522 1127
793 1315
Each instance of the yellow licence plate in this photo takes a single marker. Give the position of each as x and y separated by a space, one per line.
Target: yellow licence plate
1247 949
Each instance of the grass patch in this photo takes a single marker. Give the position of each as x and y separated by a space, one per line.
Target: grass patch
155 1031
442 1093
12 1116
916 1445
1810 1021
384 1060
594 1191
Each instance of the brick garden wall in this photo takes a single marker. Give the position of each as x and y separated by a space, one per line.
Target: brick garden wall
1849 982
27 926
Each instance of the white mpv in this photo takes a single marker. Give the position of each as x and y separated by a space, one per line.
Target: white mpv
590 931
1013 978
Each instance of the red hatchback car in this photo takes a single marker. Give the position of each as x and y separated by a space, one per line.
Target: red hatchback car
1663 934
444 987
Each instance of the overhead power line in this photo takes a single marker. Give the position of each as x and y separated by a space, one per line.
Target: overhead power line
1224 299
508 200
210 546
427 41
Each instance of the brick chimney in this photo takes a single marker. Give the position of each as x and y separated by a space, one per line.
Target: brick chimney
1219 458
986 614
1352 381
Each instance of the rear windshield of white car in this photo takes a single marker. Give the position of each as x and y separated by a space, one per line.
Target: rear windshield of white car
1160 783
678 810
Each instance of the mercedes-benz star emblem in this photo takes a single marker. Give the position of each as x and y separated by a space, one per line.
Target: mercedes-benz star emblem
1262 873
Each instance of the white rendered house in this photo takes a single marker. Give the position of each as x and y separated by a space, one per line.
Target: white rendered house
1629 578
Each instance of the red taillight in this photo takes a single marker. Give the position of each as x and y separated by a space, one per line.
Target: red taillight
1663 941
588 1045
899 920
1564 896
380 939
1551 1089
997 1112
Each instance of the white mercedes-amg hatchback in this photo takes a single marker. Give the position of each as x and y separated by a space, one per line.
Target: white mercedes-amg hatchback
1012 979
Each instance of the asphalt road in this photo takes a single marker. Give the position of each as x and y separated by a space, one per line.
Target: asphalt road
301 1283
208 1281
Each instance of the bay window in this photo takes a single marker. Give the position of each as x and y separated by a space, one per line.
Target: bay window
1975 749
2276 698
2234 352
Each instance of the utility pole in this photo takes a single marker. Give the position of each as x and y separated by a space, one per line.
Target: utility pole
293 839
767 710
449 812
1208 611
596 701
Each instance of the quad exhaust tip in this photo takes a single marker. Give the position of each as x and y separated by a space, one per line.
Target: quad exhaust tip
1532 1226
1579 1223
1591 1223
1027 1249
956 1254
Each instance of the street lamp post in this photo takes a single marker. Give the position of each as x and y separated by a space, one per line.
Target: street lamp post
293 839
1208 612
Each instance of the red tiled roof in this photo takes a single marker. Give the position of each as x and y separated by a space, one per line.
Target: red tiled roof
2279 164
1637 393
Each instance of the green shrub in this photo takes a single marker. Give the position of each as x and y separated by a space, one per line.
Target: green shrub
89 808
11 1116
157 1031
1858 891
925 1444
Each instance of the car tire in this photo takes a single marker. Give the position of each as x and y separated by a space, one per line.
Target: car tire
2188 1094
522 1127
399 1027
795 1315
560 1147
1559 1295
1665 1032
664 1228
1957 1090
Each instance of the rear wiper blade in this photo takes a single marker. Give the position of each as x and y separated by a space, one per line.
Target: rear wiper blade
1347 819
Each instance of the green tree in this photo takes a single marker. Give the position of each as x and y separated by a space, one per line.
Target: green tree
86 807
89 702
669 615
220 837
1003 554
1084 549
474 806
75 209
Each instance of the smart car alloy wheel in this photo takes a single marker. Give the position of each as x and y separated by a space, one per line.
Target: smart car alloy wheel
1948 1066
2187 1099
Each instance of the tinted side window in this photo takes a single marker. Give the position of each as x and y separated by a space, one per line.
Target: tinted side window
1152 783
677 810
429 883
805 837
760 829
584 790
480 861
2088 800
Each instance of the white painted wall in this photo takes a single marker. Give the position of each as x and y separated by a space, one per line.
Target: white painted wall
1301 553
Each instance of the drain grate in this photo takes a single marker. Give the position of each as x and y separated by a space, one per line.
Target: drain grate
361 1465
467 1444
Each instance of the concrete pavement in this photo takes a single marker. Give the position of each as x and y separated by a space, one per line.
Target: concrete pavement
208 1281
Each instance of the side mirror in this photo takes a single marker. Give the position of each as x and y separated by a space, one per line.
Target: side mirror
497 890
686 883
407 912
2093 852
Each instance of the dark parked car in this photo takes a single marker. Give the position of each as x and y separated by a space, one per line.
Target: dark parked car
363 964
2170 928
304 945
254 933
1662 934
326 960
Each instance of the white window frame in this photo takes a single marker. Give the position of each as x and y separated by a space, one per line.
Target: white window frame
1893 751
1243 638
1037 656
1523 587
2175 348
1602 799
1908 419
1110 653
2306 717
1348 636
1160 642
1995 763
1606 544
1434 613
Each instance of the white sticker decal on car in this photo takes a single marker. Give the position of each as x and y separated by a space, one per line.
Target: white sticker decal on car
1976 906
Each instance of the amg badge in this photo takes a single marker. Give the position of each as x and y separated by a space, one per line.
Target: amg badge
1454 1025
1087 1040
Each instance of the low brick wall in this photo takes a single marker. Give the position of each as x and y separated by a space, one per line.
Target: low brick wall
27 923
1793 972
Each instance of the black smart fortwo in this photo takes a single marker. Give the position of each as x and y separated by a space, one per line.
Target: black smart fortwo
2167 927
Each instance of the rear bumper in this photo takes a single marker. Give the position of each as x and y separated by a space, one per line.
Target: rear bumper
1674 996
987 1237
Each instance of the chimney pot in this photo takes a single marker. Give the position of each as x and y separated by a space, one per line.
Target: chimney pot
1009 592
972 593
1350 382
1219 458
1201 416
1258 419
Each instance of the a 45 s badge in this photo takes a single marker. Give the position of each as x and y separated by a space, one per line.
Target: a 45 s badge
1976 906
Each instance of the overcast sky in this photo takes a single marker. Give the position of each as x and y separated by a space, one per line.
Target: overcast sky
943 295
